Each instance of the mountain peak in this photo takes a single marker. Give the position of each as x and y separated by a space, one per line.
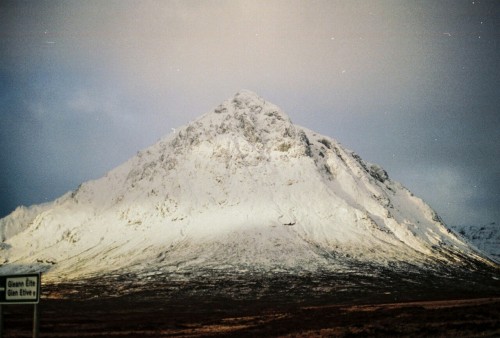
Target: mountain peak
244 117
246 94
248 102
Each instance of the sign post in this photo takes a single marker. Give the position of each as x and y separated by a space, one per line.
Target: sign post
21 289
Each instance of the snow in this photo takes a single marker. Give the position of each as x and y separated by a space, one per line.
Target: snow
485 237
239 188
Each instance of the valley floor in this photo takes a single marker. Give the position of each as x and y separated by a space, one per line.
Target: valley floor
285 305
122 318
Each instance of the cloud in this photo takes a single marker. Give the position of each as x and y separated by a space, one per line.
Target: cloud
442 187
379 76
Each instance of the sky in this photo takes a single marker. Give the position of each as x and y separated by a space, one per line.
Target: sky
413 86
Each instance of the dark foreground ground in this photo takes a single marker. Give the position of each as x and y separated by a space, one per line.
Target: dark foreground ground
285 306
119 318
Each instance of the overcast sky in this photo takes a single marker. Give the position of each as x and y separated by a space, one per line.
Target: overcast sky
410 85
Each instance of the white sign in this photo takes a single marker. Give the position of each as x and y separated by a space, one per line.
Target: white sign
20 289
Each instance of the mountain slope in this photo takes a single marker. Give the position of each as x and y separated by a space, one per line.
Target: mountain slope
241 188
485 237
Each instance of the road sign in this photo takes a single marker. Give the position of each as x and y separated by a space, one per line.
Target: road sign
20 289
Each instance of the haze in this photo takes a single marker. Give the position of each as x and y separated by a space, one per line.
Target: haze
412 86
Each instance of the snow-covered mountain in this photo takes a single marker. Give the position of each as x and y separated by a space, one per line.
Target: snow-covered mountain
485 237
239 189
